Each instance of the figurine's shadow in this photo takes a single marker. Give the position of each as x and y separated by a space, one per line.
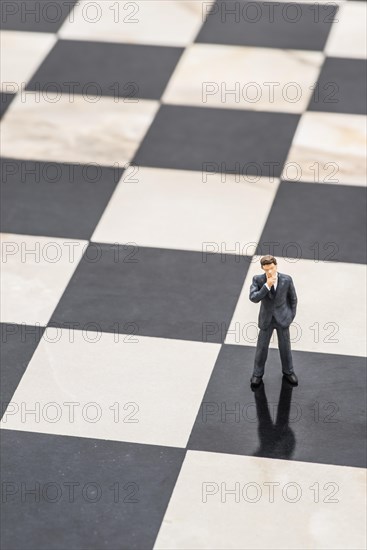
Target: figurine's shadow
277 440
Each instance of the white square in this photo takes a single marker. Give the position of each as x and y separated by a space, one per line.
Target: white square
328 148
162 22
34 274
187 210
225 502
69 128
235 77
348 36
331 309
126 388
21 55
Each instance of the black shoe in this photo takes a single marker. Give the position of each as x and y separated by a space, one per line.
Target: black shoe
292 378
255 381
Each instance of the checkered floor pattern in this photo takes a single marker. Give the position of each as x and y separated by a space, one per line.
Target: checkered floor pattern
152 152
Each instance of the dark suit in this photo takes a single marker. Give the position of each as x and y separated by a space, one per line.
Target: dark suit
276 312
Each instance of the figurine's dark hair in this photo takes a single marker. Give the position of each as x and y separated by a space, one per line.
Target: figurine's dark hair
267 260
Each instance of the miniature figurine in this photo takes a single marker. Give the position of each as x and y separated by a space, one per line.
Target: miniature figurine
278 308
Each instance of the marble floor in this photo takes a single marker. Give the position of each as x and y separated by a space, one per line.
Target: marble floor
152 151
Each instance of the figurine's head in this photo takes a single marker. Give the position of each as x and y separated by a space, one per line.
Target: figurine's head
269 265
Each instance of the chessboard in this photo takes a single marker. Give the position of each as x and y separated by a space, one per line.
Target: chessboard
152 152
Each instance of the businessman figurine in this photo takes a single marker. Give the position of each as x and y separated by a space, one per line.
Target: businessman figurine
278 309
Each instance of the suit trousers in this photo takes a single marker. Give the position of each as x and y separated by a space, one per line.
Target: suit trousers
263 346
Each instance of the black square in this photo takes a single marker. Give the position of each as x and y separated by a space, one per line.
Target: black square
219 140
55 200
18 343
320 222
153 292
312 422
106 69
267 24
341 87
89 493
34 15
5 100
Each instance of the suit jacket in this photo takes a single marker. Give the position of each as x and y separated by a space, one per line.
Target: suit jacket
283 305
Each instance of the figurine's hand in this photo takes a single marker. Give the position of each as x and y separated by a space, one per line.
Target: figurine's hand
270 279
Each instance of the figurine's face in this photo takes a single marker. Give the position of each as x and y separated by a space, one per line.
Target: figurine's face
270 269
